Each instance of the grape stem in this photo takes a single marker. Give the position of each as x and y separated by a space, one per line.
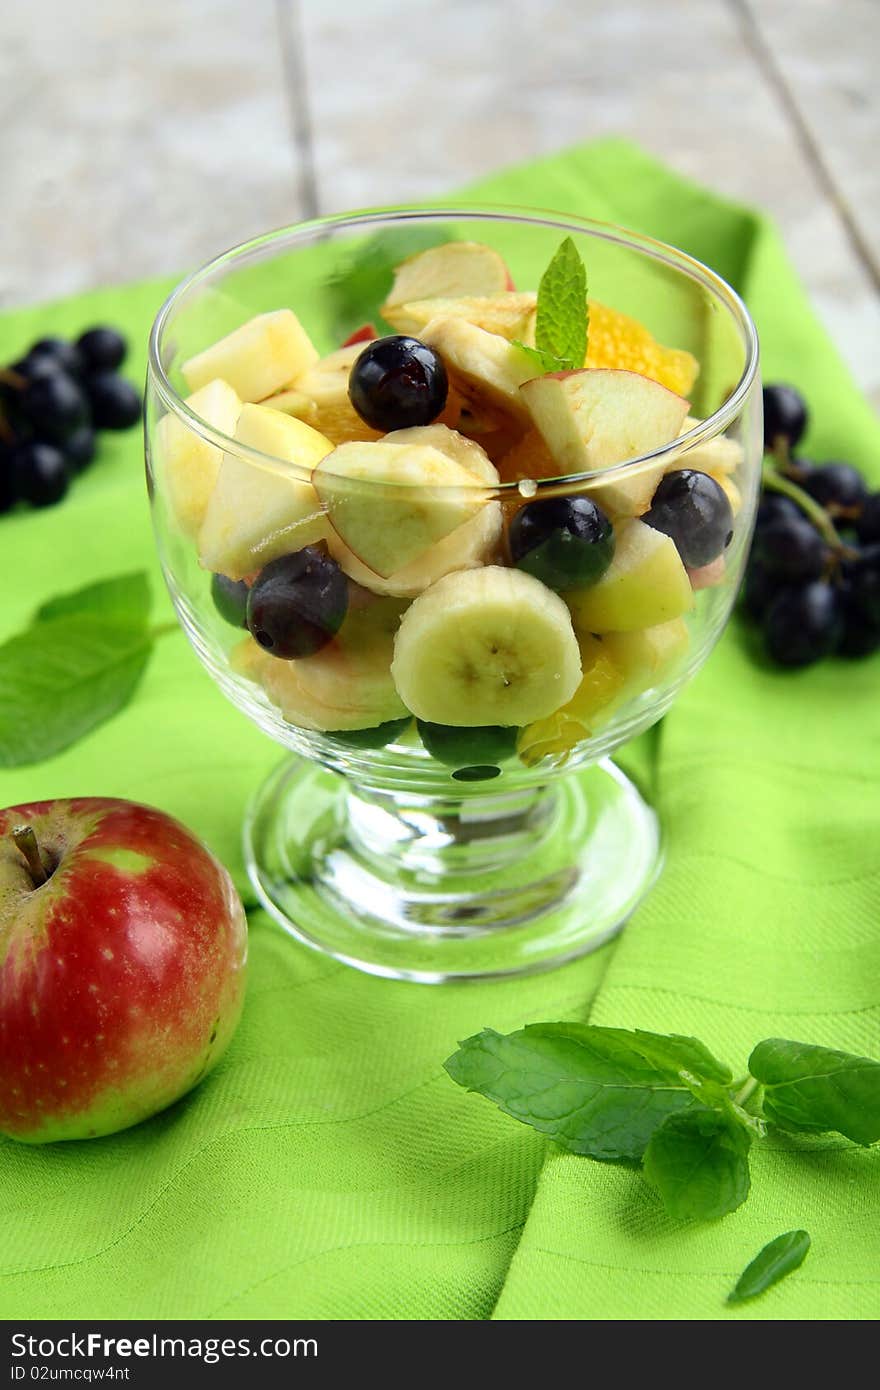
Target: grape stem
775 481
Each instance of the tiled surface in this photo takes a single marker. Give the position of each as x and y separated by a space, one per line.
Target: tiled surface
143 138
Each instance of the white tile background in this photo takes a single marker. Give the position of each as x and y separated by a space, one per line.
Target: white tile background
142 136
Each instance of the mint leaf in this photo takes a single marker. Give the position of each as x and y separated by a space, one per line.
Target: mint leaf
124 598
597 1091
61 678
699 1164
779 1257
561 321
544 360
812 1089
362 279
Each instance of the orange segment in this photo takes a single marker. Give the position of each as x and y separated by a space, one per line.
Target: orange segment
615 340
529 458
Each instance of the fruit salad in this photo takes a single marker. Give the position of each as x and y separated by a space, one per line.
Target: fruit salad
425 540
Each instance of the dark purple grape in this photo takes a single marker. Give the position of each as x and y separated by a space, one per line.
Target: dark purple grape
791 549
862 578
566 542
474 753
860 635
759 589
836 485
297 603
79 448
116 405
785 416
8 480
55 406
33 366
230 599
398 382
377 737
42 473
102 349
868 523
694 511
803 624
66 356
773 507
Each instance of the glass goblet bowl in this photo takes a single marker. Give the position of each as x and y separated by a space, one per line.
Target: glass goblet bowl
447 808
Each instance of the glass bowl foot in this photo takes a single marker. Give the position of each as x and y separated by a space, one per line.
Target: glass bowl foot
428 889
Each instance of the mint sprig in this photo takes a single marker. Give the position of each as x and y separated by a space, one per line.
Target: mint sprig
78 663
667 1102
561 324
778 1258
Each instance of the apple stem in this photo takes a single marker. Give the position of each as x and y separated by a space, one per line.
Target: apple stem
26 842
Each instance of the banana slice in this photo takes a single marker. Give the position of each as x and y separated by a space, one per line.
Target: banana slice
486 646
485 368
347 685
474 543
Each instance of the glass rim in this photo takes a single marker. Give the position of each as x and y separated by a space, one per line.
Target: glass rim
363 218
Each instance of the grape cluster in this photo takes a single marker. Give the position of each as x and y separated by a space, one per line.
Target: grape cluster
53 401
813 578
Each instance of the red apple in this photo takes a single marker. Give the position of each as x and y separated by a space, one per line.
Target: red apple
365 334
123 946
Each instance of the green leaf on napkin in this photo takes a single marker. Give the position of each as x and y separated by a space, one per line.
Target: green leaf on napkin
124 598
61 678
597 1091
698 1162
77 664
779 1257
811 1089
563 315
622 1095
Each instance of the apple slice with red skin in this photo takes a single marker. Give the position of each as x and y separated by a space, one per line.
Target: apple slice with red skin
597 417
122 974
365 334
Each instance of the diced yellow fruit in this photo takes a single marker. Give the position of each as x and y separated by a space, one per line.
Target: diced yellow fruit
648 654
256 359
390 502
508 314
188 463
645 584
615 340
475 543
258 511
452 270
484 367
728 486
716 456
558 734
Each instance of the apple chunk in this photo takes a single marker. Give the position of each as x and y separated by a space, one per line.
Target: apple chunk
188 463
258 358
258 511
390 502
597 417
449 271
644 585
649 654
509 314
485 367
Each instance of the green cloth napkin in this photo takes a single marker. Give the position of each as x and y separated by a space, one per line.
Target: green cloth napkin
329 1168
